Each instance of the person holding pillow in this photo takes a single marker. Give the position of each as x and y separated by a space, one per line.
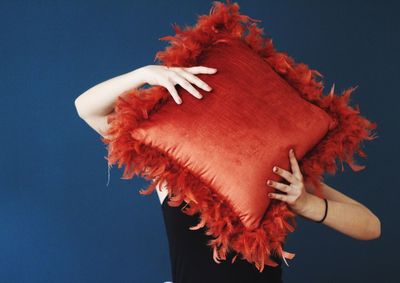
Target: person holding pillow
188 251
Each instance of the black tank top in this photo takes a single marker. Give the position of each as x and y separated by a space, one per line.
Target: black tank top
191 259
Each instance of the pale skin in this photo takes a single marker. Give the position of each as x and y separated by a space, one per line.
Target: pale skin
95 104
345 214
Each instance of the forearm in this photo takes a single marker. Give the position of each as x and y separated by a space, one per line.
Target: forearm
99 100
351 219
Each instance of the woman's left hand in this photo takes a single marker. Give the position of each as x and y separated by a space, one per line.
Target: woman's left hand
295 194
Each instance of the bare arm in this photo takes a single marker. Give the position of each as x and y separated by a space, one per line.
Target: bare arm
344 214
94 105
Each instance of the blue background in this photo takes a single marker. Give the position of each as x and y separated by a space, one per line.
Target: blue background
60 222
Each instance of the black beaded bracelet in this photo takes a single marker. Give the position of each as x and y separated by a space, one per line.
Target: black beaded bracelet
326 211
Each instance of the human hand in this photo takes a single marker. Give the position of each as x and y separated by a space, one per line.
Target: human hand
170 76
296 195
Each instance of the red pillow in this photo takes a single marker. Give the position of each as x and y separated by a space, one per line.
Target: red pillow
238 132
218 152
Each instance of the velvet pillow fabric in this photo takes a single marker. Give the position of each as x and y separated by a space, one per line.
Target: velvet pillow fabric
234 136
218 152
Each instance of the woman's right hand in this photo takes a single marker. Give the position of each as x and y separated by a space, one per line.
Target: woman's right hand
168 77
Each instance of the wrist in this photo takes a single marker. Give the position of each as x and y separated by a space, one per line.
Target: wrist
314 208
302 206
138 76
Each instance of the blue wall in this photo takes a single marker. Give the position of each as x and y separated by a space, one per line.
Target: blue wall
60 222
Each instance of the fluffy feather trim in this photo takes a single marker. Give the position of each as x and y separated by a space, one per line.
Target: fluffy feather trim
216 214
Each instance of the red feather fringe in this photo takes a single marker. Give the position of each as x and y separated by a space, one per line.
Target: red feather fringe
216 214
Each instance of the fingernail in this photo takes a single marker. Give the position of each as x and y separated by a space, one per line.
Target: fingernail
269 182
291 150
269 195
275 169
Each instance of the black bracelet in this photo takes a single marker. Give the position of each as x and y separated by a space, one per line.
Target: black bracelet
326 211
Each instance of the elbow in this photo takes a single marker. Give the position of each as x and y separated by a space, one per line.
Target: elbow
374 229
377 229
78 107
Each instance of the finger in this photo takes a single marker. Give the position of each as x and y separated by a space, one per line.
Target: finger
186 85
200 70
193 79
295 165
168 85
282 187
281 197
285 174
